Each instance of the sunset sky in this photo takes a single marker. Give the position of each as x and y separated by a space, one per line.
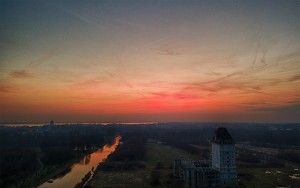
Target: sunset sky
141 61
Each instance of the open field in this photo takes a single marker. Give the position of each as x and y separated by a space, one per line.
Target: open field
267 178
159 158
165 154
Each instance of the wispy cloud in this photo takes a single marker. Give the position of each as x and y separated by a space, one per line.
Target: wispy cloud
167 51
21 74
291 108
88 83
219 85
43 58
5 88
176 95
294 78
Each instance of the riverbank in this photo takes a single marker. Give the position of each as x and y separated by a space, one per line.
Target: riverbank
81 171
33 155
53 172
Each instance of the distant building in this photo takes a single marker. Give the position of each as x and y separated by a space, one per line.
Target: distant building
51 123
223 157
219 172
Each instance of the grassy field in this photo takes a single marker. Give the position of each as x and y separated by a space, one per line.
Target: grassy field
267 178
163 156
156 154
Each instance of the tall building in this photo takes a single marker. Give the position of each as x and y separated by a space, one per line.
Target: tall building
223 157
51 123
219 172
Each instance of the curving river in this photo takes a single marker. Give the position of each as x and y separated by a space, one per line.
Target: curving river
80 169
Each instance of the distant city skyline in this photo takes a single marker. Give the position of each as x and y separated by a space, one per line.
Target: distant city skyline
150 61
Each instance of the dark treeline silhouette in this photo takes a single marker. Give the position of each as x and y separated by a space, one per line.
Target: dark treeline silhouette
54 136
271 135
30 154
17 164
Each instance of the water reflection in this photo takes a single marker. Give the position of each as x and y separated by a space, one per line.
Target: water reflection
80 169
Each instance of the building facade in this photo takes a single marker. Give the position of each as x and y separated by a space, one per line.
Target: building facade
219 172
223 157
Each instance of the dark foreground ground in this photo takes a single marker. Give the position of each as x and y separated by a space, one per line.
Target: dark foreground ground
157 172
259 165
267 155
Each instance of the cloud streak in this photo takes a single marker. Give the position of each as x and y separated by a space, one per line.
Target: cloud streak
21 74
295 78
43 58
6 88
167 51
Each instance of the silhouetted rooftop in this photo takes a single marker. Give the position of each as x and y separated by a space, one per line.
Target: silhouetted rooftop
222 136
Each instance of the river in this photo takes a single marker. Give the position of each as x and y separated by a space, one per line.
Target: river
80 169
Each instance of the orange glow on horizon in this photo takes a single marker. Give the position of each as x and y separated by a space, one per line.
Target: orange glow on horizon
167 61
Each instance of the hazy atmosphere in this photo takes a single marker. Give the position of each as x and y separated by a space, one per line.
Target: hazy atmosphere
141 61
149 94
